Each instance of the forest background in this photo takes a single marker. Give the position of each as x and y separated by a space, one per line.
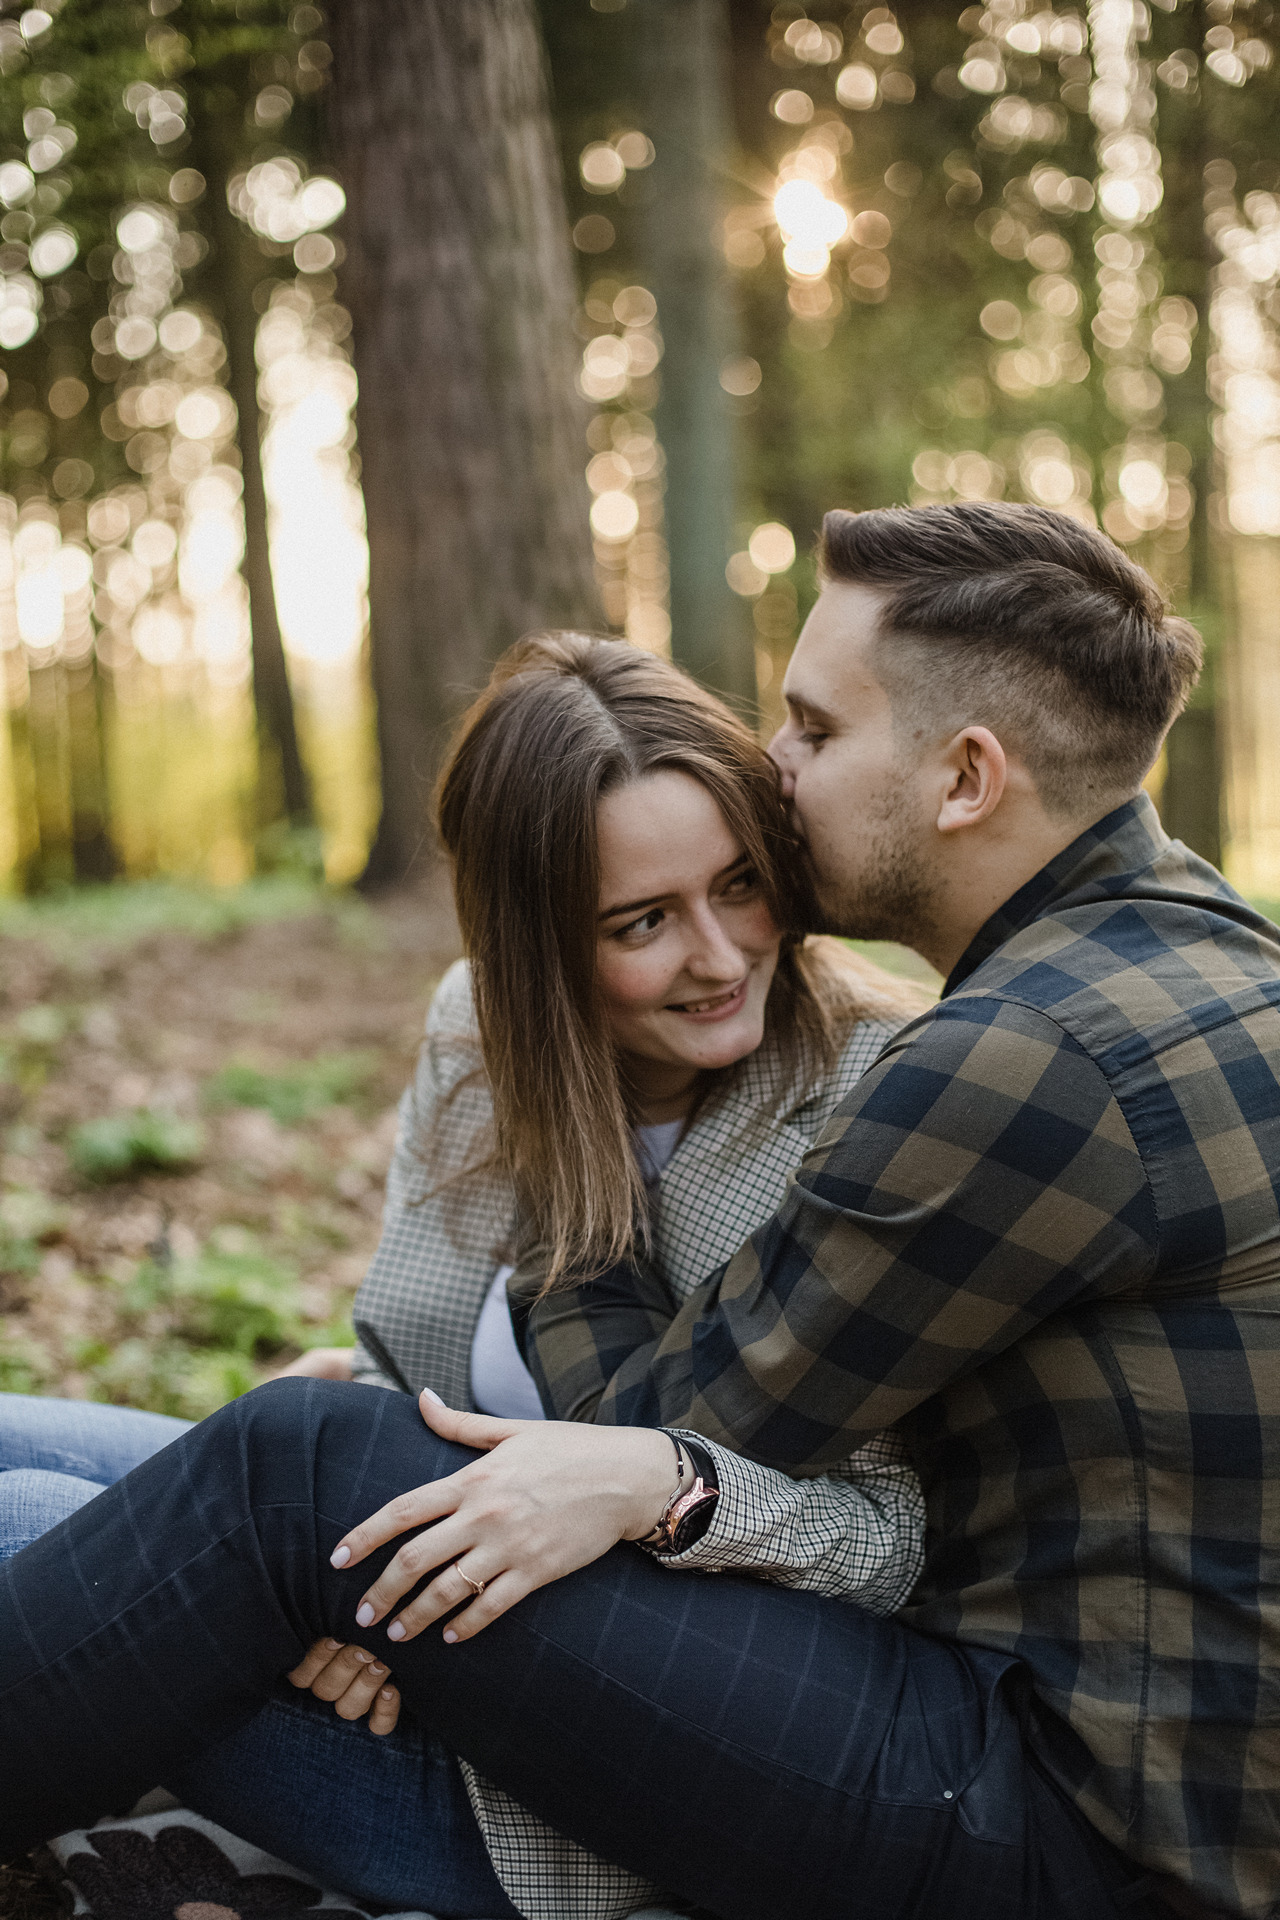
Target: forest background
336 351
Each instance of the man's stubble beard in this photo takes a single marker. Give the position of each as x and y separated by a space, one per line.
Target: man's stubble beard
891 895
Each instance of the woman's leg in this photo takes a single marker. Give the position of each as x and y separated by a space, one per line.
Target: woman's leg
385 1818
80 1437
757 1750
56 1454
32 1501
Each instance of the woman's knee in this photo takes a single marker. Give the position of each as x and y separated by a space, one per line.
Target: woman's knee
32 1501
322 1429
336 1448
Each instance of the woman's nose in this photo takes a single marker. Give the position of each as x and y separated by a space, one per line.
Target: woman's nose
712 955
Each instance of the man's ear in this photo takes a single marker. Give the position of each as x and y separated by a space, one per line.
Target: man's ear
978 774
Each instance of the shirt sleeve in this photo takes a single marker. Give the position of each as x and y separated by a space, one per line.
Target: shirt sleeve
366 1371
978 1179
855 1533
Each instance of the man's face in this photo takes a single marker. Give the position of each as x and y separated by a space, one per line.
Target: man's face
858 799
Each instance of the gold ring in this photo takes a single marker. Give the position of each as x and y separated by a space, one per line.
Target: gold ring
477 1586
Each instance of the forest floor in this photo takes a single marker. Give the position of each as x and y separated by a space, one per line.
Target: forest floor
197 1108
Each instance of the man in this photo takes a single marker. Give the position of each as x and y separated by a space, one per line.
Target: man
1042 1234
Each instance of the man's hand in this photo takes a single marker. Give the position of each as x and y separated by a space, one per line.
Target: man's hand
548 1497
353 1680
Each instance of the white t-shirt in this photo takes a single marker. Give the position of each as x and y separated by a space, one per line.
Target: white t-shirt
501 1383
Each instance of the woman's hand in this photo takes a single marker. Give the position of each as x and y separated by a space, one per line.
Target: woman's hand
548 1497
353 1680
320 1363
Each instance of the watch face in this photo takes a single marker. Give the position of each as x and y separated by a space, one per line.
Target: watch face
691 1516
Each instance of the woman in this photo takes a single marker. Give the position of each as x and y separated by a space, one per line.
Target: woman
630 893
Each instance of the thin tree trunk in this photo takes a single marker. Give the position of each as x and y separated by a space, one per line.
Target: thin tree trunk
684 68
92 850
1191 802
284 789
52 863
460 283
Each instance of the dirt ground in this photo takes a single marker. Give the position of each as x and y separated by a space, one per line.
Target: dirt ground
259 1042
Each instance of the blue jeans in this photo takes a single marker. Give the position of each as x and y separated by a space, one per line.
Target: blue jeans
384 1818
758 1750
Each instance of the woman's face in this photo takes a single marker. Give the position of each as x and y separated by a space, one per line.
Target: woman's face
687 945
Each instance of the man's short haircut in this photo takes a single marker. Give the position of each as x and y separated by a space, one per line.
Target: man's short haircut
1028 622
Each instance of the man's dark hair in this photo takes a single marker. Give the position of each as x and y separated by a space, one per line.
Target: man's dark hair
1028 622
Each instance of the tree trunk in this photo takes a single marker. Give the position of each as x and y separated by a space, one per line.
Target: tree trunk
460 283
283 787
93 853
684 54
1191 800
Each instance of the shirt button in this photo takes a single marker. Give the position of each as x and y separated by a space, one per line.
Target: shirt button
948 1796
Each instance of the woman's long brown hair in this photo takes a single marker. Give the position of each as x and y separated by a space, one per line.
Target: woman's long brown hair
565 719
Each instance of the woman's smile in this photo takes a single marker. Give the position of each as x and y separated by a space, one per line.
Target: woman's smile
720 1007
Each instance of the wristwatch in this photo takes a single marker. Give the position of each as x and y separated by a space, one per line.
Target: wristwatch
687 1514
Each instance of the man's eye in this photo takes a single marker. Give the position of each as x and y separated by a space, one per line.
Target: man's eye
811 737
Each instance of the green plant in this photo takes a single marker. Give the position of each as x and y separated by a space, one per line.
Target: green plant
114 916
246 1302
167 1377
140 1141
198 1332
27 1051
294 1093
26 1218
24 1366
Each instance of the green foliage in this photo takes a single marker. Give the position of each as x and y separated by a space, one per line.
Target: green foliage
26 1219
27 1051
198 1329
121 1145
116 916
167 1376
25 1367
246 1302
298 1092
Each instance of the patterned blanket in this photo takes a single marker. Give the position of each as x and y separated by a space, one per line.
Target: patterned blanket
173 1865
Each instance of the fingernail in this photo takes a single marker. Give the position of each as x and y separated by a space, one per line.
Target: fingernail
339 1557
387 1692
450 1637
361 1654
427 1394
396 1630
364 1614
334 1646
378 1668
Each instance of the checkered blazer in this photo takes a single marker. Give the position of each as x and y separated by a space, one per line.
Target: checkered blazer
855 1533
1043 1234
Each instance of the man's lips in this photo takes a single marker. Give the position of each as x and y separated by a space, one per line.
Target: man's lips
714 1006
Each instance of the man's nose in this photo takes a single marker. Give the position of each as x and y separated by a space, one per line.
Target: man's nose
777 751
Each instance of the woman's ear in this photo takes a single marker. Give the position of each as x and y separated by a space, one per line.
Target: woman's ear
978 773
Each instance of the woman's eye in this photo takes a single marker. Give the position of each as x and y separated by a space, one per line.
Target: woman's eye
812 738
647 923
746 881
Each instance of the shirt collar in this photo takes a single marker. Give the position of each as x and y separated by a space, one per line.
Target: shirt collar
1098 865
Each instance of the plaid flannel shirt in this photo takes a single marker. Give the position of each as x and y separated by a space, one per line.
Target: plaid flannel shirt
1042 1235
